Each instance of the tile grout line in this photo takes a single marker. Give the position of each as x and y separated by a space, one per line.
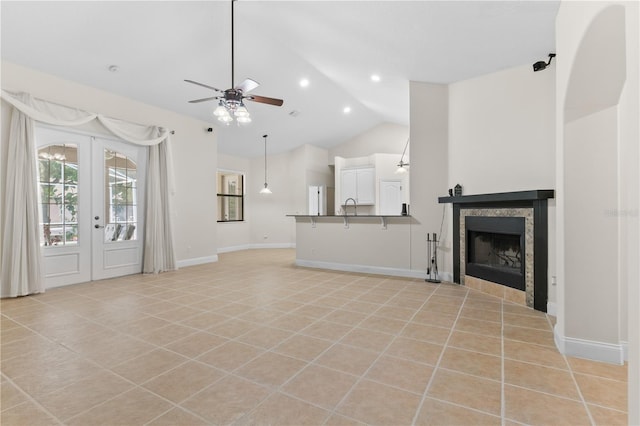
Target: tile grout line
312 362
31 399
380 354
503 402
575 382
435 368
135 386
267 350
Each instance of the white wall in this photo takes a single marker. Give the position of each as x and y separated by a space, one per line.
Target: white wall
597 86
591 247
269 226
317 165
386 138
318 173
629 156
502 131
502 138
194 150
429 170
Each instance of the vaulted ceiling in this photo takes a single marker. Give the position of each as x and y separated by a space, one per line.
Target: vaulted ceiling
336 45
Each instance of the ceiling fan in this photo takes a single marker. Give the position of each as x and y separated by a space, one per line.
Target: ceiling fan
231 101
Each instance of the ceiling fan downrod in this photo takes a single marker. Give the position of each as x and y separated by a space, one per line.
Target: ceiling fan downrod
232 46
231 101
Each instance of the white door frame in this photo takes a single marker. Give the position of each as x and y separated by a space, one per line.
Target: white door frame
123 257
69 264
93 258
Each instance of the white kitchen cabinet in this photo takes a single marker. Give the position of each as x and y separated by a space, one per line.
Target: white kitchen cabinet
358 184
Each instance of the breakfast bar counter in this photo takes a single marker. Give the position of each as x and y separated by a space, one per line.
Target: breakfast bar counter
377 244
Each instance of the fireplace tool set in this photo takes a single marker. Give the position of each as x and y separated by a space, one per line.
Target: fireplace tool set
432 256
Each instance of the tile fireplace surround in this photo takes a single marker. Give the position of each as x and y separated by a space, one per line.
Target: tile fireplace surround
530 205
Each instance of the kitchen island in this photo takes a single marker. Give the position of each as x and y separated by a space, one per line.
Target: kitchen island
357 243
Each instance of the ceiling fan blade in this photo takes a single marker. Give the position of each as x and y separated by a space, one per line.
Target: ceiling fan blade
204 85
195 101
265 100
247 85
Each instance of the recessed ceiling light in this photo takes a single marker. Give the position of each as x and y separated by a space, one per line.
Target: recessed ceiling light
375 77
346 110
113 68
304 82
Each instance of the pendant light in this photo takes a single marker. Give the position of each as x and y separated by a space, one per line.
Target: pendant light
266 189
401 165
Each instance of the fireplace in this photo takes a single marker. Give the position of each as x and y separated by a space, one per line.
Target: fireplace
495 249
500 244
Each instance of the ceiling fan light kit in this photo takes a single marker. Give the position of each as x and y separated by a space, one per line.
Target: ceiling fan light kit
231 101
402 168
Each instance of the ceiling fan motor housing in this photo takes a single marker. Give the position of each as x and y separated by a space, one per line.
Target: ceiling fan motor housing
233 97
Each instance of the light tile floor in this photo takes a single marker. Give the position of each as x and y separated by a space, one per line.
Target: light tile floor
253 339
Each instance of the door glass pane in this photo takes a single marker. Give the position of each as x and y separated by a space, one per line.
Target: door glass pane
121 197
58 186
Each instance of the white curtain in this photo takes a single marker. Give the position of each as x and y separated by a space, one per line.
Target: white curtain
20 249
21 273
158 237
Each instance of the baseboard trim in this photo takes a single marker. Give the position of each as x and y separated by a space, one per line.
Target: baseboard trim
589 349
272 246
233 248
552 309
255 246
366 269
197 261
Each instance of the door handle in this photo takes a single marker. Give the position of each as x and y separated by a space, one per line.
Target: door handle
98 226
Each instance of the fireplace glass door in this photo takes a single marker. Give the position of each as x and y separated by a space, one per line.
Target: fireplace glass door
495 249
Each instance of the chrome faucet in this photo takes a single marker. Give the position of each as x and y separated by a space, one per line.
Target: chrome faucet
355 207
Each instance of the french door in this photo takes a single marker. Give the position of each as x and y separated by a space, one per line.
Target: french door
92 206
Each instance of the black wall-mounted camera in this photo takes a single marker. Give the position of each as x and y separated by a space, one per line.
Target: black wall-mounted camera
540 65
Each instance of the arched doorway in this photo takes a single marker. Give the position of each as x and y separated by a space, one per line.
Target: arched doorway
595 310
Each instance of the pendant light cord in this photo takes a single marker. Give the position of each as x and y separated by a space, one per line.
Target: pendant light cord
405 149
265 159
